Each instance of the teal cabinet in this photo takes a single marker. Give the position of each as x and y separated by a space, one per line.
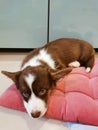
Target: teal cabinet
23 23
74 18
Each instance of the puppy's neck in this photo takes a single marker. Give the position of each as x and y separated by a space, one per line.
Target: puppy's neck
45 64
42 58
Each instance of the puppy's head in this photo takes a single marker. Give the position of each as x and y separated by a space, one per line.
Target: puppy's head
35 85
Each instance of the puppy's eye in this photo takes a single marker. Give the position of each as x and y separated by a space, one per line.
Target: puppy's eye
25 94
42 92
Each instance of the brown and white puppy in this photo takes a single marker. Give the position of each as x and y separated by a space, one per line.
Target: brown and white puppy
42 68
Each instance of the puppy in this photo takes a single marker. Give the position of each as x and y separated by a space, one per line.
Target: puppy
44 66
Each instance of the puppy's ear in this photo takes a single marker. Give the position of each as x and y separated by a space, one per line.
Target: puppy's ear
56 75
13 75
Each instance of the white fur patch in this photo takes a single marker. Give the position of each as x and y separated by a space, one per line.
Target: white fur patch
88 69
35 104
44 56
29 80
74 64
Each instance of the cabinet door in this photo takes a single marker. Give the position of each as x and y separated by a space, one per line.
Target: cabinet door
74 18
23 23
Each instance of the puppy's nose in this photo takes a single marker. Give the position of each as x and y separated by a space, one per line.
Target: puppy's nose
36 114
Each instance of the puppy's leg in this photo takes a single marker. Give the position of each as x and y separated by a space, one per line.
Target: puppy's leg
74 64
89 64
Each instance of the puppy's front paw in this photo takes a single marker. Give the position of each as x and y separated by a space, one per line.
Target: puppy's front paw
74 64
88 69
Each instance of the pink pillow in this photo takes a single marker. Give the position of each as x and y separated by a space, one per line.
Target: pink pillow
75 97
11 98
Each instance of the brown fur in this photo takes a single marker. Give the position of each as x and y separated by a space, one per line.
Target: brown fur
67 50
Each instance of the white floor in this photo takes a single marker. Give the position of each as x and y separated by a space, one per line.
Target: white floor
9 62
15 120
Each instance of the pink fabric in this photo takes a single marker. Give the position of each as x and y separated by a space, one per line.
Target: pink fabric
11 98
75 97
